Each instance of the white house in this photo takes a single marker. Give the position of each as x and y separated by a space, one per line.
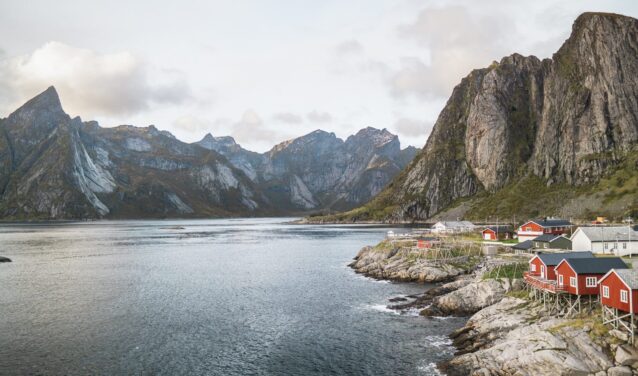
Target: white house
453 227
614 240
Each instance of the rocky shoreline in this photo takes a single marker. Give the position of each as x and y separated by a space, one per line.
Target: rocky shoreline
506 333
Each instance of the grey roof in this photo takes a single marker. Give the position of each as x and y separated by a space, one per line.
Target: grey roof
552 259
548 238
553 222
629 276
596 265
527 244
609 233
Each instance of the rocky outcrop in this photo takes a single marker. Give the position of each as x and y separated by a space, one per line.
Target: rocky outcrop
471 297
511 337
386 261
320 171
569 120
4 259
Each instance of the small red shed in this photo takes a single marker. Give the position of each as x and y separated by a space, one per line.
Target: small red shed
497 233
580 276
619 289
543 264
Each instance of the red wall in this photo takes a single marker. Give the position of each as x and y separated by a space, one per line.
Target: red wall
536 261
534 227
549 230
549 270
615 285
581 280
491 233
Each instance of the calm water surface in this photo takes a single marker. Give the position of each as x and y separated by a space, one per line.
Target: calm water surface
217 297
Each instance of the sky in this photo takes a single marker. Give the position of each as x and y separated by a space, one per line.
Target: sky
264 71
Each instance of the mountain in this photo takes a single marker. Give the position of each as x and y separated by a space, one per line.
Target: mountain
53 166
531 137
320 171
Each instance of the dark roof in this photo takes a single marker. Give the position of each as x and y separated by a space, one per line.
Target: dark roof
548 238
503 228
553 222
527 244
596 265
552 259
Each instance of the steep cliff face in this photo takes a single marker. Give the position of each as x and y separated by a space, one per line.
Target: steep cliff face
570 120
56 167
320 170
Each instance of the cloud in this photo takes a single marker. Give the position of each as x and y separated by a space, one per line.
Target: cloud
251 129
288 118
454 42
349 47
90 83
412 127
319 117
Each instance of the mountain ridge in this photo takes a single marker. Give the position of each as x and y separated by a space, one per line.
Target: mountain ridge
53 166
566 124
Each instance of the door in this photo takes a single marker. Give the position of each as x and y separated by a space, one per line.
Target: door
543 271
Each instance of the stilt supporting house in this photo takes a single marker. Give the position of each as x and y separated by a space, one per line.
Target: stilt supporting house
623 321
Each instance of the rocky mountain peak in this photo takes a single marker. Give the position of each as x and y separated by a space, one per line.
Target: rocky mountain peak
46 103
373 136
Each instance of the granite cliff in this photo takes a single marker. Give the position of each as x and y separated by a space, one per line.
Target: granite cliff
559 133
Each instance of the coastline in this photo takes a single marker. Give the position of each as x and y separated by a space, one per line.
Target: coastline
506 332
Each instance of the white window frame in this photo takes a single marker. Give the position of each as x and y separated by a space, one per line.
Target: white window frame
560 280
605 291
589 283
624 245
573 282
606 245
546 245
624 296
533 267
543 271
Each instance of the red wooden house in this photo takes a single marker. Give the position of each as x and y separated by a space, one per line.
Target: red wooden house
543 264
536 228
427 242
580 276
619 299
619 290
497 233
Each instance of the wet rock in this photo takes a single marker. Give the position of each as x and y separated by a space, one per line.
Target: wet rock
470 298
5 259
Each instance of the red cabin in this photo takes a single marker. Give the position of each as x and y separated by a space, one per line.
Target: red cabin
533 229
543 264
427 242
497 233
619 289
580 276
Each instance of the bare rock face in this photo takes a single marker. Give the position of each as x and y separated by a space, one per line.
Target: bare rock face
56 167
470 298
508 338
397 264
319 170
569 119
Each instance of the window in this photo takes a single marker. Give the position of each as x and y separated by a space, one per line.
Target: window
572 281
624 245
606 245
590 282
533 267
560 280
542 271
546 245
605 291
624 296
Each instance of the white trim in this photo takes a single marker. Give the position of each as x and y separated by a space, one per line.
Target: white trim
606 292
626 299
532 267
587 284
573 282
560 280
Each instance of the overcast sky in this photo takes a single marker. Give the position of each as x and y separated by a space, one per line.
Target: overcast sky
266 71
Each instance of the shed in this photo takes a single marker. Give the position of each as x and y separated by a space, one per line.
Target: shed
543 264
551 241
497 232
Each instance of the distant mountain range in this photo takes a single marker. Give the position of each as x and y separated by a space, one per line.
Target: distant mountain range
529 137
53 166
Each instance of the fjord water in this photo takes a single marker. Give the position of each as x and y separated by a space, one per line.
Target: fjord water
219 297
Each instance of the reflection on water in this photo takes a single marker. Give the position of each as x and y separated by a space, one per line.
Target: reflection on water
223 297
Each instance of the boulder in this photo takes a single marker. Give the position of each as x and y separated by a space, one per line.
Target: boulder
5 259
619 371
626 356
